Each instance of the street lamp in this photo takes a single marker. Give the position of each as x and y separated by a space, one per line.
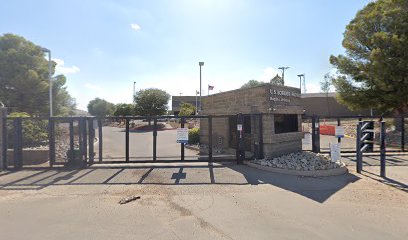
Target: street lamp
134 91
200 64
49 76
300 80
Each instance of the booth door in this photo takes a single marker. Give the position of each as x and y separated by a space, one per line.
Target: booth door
246 132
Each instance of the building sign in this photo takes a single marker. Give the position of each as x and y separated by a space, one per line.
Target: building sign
335 152
182 135
285 96
339 131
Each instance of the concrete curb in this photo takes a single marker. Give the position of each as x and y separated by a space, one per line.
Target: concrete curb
317 173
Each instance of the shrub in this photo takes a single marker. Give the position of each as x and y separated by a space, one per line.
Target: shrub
194 136
34 131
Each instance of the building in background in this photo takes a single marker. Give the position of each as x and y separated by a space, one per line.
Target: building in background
176 101
320 104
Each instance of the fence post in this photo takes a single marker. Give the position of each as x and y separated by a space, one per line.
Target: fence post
91 139
51 141
402 133
315 135
18 146
127 139
240 152
359 158
100 140
260 137
3 138
85 139
182 144
71 159
154 139
210 144
339 124
382 148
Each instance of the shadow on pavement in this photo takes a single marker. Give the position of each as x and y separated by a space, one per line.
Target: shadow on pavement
317 189
385 180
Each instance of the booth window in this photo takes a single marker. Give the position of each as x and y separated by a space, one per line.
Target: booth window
285 123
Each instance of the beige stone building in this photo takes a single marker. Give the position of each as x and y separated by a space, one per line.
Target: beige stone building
272 118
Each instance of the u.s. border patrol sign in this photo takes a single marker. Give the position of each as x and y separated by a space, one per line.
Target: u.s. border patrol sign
182 135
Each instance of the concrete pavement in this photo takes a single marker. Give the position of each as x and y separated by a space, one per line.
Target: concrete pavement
198 201
141 145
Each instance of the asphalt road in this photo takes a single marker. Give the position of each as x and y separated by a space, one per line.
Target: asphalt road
141 145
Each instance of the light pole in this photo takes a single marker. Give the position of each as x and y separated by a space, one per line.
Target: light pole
300 81
283 73
134 91
196 103
49 76
200 64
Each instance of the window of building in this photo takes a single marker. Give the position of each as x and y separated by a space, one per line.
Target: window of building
285 123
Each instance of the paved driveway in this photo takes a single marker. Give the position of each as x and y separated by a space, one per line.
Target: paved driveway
198 201
141 145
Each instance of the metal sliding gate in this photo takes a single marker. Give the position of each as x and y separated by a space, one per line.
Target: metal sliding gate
82 141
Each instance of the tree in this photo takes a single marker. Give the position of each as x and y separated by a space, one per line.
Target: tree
24 82
187 109
277 80
124 109
252 83
101 108
151 102
374 71
64 104
325 86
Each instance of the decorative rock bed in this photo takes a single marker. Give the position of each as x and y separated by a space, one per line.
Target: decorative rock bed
301 163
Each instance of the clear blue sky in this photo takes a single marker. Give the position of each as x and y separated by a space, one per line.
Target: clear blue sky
104 46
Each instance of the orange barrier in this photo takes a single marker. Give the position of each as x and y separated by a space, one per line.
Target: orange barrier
327 130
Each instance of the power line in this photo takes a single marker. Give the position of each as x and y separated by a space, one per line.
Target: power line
283 73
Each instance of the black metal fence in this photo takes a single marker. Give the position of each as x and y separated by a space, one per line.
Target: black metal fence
320 131
81 141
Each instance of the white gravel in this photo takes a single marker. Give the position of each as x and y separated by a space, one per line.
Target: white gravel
303 161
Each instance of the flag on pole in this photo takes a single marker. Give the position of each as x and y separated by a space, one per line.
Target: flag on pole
197 92
210 87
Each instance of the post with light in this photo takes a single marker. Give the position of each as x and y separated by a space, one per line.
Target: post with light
300 80
200 64
49 76
196 105
134 91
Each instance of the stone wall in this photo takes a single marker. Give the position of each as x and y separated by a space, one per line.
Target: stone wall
3 114
266 99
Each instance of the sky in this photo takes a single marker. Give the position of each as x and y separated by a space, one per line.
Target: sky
104 46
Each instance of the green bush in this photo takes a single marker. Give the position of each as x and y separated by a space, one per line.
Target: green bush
34 131
194 136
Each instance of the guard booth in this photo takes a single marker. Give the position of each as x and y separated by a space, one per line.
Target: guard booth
270 124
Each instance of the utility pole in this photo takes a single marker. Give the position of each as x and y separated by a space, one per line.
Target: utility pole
300 81
283 73
134 91
200 64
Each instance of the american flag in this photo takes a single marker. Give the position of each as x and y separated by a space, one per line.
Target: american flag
210 87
